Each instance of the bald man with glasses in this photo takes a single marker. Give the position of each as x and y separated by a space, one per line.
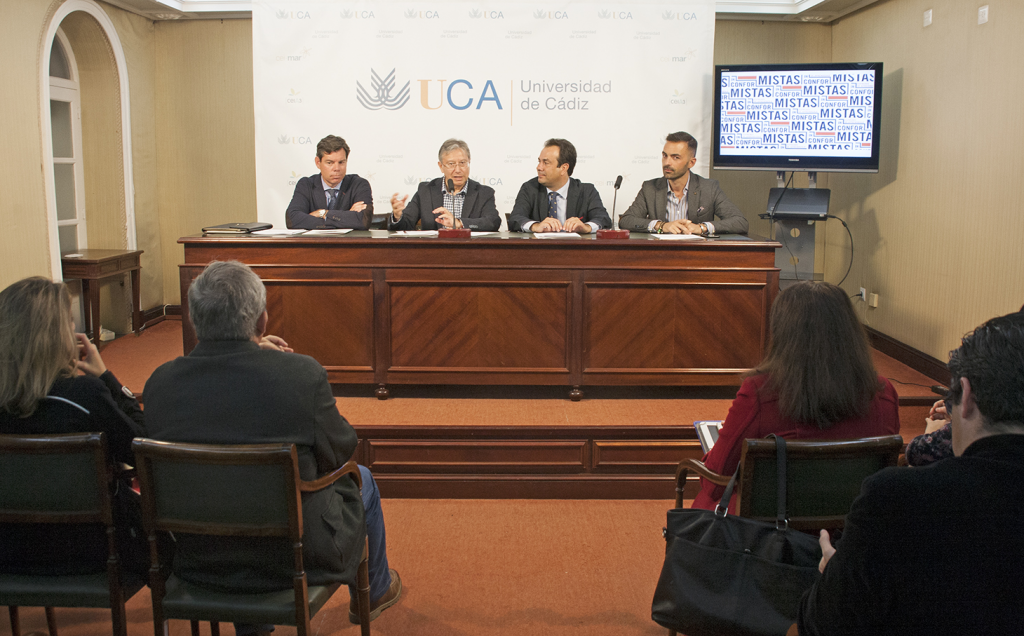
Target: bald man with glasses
462 204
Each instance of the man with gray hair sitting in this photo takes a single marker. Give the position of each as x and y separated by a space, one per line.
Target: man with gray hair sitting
451 201
239 386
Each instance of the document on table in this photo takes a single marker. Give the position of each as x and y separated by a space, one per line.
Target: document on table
484 233
678 237
415 233
277 232
557 235
331 232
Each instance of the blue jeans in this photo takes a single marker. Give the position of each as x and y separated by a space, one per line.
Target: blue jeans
380 576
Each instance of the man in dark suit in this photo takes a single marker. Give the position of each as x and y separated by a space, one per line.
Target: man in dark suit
239 387
682 202
555 202
469 204
331 199
940 549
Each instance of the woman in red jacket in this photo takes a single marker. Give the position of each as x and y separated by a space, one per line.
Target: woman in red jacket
816 382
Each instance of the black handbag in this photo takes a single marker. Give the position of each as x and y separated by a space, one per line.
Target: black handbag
726 575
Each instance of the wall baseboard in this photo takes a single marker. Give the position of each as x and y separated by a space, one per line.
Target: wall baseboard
917 360
172 310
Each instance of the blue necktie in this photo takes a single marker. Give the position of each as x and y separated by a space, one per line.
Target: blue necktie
332 196
553 204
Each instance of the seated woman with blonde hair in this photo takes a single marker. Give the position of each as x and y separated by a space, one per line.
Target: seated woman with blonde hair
54 381
817 381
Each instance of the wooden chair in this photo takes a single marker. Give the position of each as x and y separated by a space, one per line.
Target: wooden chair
62 479
824 478
233 491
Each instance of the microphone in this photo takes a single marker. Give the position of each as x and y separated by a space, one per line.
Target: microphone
451 190
615 197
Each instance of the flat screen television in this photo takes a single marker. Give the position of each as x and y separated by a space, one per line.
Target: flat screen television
800 117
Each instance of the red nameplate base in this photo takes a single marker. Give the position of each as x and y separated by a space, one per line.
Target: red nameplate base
462 232
613 234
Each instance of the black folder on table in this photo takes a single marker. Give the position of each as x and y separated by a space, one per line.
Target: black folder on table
237 228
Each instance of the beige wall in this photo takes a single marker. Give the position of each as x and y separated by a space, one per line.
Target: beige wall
23 241
935 231
938 231
205 127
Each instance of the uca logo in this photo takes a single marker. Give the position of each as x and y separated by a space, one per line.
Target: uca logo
380 94
411 181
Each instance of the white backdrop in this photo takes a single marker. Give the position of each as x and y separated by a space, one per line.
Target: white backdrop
395 79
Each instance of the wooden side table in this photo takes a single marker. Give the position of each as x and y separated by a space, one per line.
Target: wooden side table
92 266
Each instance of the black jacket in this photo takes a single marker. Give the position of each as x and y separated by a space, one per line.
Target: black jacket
309 196
583 201
233 392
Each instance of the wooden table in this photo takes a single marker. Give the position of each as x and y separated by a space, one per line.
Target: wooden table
95 265
510 309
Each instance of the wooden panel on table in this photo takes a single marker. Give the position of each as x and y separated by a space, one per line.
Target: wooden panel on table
491 456
674 321
330 320
478 321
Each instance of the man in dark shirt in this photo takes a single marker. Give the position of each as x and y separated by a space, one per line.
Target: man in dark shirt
331 199
939 549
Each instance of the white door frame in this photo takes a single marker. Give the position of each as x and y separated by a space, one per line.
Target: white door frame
96 11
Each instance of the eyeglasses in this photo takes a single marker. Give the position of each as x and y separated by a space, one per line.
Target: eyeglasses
452 165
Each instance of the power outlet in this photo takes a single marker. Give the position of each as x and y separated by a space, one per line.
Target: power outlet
863 294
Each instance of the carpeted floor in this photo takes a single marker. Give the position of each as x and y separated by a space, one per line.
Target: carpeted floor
483 568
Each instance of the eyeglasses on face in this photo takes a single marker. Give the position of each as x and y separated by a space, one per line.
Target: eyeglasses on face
452 165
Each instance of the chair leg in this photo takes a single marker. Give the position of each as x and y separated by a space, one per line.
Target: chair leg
15 622
51 621
363 592
195 628
214 628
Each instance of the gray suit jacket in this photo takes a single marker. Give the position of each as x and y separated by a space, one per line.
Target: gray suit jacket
478 211
233 392
583 201
704 201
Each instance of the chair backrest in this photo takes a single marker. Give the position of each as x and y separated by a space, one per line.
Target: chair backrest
822 479
227 490
55 479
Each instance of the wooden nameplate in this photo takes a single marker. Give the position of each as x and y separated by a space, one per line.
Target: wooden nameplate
462 232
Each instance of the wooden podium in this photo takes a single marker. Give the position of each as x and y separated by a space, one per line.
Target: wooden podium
510 309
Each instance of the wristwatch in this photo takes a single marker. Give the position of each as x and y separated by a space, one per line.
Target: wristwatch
704 229
323 214
659 227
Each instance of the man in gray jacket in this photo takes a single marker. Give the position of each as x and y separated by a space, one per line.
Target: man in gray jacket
241 387
682 202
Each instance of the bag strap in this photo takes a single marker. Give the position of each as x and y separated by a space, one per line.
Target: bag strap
781 518
722 509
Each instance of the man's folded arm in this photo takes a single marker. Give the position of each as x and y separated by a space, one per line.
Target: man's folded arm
489 219
521 210
635 217
730 219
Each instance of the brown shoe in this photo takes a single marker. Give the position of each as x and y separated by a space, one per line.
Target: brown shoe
390 598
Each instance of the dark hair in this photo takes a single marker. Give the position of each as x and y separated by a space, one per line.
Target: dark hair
566 152
818 362
683 137
992 359
331 144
